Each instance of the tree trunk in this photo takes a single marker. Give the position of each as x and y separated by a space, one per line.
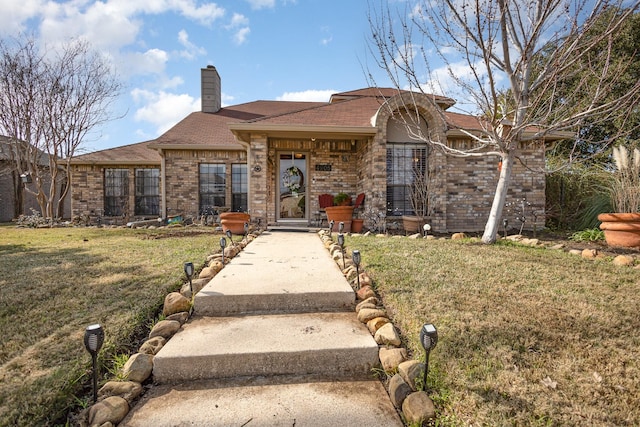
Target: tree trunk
493 222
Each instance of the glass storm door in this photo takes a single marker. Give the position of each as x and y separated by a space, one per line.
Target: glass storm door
293 186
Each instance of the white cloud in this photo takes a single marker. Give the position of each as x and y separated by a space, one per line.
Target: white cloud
163 109
262 4
241 35
238 20
191 51
308 95
14 13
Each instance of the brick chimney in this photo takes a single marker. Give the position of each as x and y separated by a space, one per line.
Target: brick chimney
210 90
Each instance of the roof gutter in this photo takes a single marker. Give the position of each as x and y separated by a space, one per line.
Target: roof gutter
243 131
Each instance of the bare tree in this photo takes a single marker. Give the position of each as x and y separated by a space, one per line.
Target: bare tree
512 61
50 100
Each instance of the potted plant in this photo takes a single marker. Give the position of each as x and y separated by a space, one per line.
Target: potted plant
234 221
622 227
342 211
422 199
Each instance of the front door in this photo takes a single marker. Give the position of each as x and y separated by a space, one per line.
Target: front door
292 203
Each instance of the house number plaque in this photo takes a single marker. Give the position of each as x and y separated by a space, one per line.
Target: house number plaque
323 168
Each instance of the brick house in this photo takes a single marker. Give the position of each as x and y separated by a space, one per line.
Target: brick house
240 158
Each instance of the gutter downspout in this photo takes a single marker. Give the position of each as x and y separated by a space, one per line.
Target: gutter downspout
163 185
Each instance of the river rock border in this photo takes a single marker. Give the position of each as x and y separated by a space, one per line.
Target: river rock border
116 398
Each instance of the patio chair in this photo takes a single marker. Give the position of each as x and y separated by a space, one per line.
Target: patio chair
324 201
359 203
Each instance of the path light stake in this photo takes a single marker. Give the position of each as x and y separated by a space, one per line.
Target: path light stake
246 229
356 260
188 270
223 244
230 236
93 339
341 243
505 222
428 339
426 229
331 223
341 227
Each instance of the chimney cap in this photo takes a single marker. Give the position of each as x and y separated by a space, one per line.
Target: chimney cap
210 66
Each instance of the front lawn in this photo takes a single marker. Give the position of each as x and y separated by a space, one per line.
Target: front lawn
56 282
527 336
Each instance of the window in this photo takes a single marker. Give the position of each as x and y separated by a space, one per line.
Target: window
116 192
212 186
239 187
147 192
402 161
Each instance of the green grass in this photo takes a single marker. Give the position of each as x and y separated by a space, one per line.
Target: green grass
56 282
527 337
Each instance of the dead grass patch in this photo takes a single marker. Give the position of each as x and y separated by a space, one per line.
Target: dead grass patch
527 336
56 282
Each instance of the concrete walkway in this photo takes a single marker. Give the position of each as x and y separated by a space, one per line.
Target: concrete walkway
274 341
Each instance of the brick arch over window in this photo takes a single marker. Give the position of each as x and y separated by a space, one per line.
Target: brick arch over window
426 108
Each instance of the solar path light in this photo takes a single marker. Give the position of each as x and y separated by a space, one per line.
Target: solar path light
428 339
340 227
188 271
331 223
230 236
426 228
223 244
341 243
246 229
93 339
356 260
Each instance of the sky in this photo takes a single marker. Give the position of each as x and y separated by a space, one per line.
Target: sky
302 50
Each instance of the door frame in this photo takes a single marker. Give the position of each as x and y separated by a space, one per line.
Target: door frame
306 182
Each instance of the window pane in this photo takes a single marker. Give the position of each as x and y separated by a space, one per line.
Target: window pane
239 186
116 191
147 192
403 161
212 185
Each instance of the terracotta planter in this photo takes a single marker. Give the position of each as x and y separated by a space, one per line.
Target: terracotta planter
339 214
621 229
234 221
356 225
413 224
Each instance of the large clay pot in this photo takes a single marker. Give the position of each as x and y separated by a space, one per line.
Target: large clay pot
234 221
339 214
621 229
413 224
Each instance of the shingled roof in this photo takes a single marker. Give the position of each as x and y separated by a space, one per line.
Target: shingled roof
351 111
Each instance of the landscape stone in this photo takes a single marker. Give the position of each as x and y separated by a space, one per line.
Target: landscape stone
387 335
374 324
365 279
589 253
113 409
556 247
575 252
365 292
180 317
458 236
390 358
128 390
365 305
206 273
216 265
418 408
369 301
175 302
367 314
623 260
398 390
165 329
415 236
152 345
138 368
410 371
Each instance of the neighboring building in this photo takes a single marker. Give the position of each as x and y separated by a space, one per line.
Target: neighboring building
240 157
12 188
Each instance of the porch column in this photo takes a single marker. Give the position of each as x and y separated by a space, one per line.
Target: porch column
258 179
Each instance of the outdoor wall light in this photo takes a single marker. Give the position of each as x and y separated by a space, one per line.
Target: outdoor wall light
341 243
26 178
340 227
189 270
356 260
428 339
223 244
426 228
93 339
